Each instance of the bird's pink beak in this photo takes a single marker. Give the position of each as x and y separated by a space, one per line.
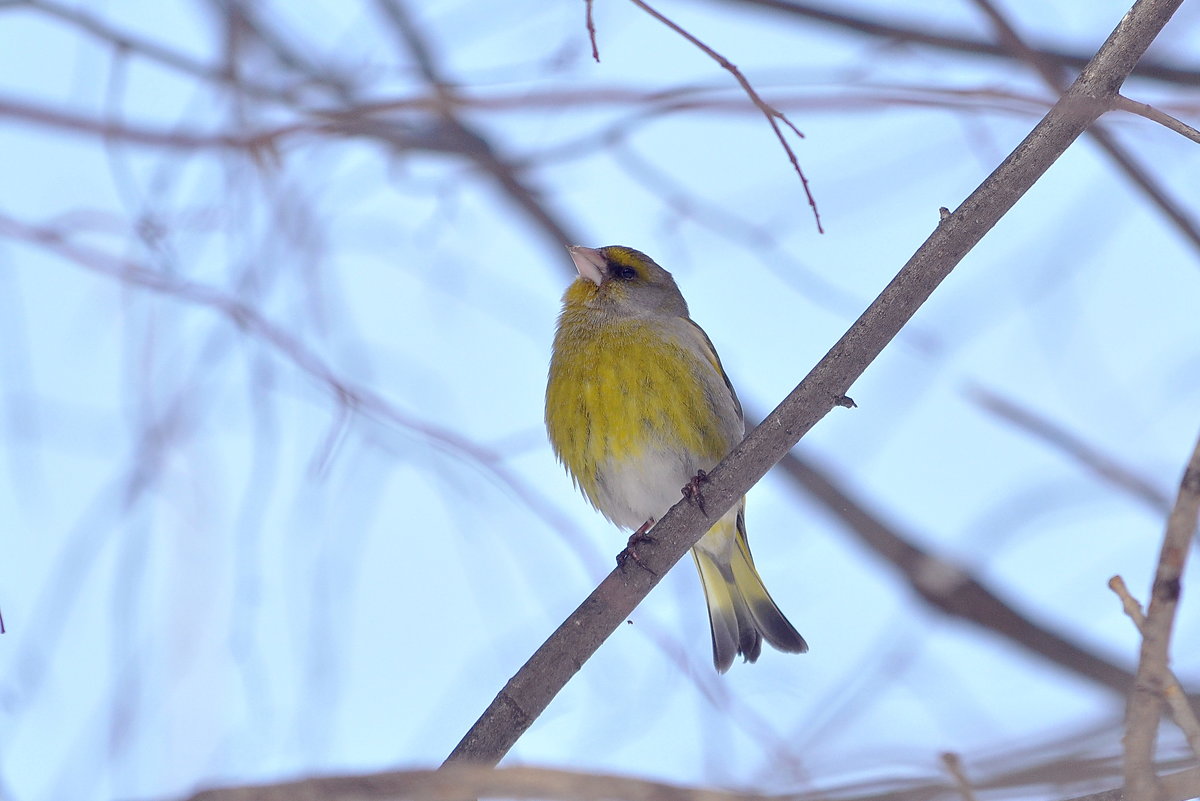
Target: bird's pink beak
589 262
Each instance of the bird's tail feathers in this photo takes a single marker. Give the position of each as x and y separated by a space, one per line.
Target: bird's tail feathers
740 610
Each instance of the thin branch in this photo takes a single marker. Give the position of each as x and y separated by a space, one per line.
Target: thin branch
591 29
22 111
954 766
1054 78
947 587
281 342
154 52
295 58
1155 115
1103 466
1181 710
474 145
1180 786
774 116
705 96
1145 701
528 693
476 781
888 30
375 119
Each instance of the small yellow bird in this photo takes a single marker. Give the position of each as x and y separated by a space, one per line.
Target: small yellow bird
636 405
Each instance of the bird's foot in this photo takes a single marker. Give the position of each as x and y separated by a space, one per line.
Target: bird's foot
639 537
692 491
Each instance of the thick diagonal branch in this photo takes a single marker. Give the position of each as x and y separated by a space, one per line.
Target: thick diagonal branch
533 687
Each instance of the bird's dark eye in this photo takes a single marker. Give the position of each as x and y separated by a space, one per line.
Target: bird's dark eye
626 273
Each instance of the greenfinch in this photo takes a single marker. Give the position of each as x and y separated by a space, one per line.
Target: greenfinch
637 405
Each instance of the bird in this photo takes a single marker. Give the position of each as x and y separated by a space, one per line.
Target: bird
638 407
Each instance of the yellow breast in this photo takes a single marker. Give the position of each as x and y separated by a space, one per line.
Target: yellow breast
621 388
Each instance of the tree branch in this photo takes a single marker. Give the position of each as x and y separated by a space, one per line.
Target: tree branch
476 146
1155 115
948 587
774 116
1129 165
475 781
1146 699
1089 457
1181 711
882 28
1179 786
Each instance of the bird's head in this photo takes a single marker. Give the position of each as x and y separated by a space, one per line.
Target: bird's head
624 281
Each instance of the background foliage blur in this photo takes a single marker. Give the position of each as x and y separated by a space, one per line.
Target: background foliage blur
277 286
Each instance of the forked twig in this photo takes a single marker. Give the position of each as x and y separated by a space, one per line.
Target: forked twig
1145 700
774 116
1176 699
1125 160
1155 115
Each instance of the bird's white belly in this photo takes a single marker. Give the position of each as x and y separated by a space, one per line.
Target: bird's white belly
632 491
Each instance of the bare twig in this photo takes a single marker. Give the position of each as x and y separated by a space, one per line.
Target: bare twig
469 141
528 693
1155 115
1053 76
1179 786
1177 702
774 116
280 341
1145 701
475 781
954 766
887 29
948 587
1105 467
27 112
375 119
591 29
153 51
